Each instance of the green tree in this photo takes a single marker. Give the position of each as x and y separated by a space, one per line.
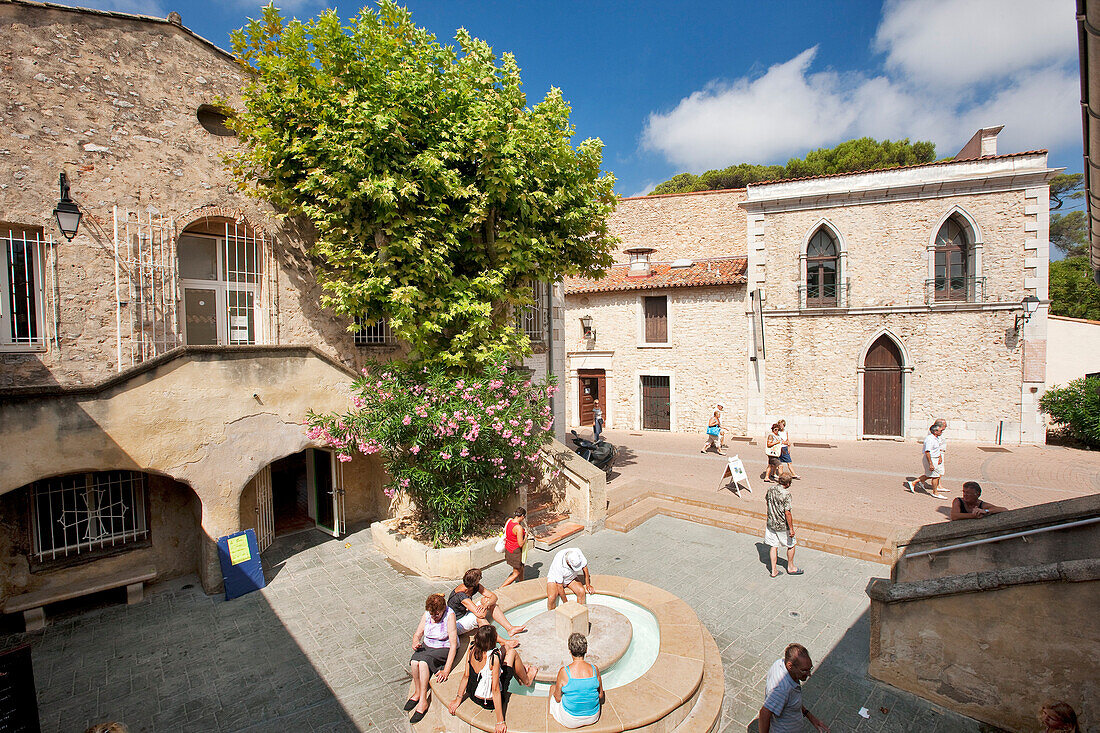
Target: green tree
1066 186
436 194
1075 409
1072 291
1068 233
854 155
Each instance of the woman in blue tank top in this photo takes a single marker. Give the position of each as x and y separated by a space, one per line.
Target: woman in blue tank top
577 694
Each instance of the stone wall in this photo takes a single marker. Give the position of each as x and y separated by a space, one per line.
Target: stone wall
698 225
705 358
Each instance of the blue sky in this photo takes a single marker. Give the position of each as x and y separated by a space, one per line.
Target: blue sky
672 87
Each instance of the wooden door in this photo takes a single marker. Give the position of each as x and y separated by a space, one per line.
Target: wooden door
591 382
882 388
656 403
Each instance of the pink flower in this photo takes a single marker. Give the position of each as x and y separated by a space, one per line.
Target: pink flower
415 449
444 455
465 452
407 420
343 458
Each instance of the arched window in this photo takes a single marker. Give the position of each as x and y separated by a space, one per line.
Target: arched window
953 279
221 265
822 261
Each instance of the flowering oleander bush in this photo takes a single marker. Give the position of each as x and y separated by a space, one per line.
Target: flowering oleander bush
455 445
1075 409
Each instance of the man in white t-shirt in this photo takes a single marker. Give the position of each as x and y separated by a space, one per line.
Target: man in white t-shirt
564 570
935 445
783 711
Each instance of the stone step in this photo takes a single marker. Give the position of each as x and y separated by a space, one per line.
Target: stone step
751 522
706 714
550 536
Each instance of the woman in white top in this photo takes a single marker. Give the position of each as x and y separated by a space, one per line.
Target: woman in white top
434 646
785 452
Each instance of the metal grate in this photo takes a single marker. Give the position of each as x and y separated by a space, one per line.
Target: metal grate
23 306
146 290
532 318
86 512
372 334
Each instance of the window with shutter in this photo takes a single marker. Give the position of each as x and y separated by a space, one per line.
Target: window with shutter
656 319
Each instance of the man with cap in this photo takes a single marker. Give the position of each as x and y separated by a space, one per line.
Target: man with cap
564 570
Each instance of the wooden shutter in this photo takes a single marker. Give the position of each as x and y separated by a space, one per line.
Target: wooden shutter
656 319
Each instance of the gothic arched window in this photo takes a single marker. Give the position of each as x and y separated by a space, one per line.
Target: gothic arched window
822 264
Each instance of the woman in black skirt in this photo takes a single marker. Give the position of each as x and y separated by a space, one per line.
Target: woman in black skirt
488 671
434 646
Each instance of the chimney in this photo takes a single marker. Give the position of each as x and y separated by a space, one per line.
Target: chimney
982 144
639 261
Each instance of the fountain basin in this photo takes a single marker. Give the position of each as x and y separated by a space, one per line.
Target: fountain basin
668 694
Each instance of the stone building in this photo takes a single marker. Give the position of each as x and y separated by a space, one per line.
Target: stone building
868 304
155 370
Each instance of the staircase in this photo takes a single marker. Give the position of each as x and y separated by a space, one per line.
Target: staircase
549 523
639 501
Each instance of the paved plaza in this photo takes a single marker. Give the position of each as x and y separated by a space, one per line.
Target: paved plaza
326 644
860 479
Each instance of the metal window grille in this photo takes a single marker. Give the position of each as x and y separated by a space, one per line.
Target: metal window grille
87 512
146 289
242 266
532 318
23 306
369 333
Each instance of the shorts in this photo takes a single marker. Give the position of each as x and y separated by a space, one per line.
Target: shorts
785 456
773 460
933 471
467 623
514 559
434 657
778 539
557 710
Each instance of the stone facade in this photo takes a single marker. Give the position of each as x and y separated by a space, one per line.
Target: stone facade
121 104
970 359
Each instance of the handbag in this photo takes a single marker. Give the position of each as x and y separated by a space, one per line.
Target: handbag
499 546
714 430
484 689
527 546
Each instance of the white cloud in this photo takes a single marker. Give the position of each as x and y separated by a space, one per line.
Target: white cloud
959 42
1032 88
646 188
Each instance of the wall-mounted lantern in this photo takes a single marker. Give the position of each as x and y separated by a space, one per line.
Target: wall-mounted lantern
586 327
67 212
1030 304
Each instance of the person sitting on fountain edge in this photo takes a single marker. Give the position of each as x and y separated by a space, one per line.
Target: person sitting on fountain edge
470 615
577 693
563 572
487 673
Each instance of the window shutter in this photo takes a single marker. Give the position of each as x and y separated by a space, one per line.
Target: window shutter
656 320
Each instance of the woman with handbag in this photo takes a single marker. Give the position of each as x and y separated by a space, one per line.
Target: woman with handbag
515 537
773 449
716 436
488 671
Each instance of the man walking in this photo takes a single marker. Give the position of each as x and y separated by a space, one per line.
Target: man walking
783 711
780 529
934 447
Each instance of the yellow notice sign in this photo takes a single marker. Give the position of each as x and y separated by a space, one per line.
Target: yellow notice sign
238 549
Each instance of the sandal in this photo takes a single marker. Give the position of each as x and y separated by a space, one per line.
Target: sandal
410 704
796 572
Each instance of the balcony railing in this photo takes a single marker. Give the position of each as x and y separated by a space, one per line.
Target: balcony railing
824 296
954 290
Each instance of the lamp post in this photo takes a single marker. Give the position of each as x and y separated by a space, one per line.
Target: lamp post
68 214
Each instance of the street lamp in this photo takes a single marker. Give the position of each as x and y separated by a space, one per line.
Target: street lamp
67 212
1030 304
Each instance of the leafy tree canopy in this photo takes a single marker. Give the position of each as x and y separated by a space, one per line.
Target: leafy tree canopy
854 155
437 195
1072 291
1069 233
1066 186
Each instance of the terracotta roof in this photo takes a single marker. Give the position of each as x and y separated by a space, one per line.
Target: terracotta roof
902 167
702 273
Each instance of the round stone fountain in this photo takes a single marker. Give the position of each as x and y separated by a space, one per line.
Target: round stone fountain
660 667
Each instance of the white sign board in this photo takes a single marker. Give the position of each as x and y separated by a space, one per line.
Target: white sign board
735 473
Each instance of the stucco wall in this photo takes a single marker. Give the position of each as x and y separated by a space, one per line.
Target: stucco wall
700 225
996 656
706 355
1073 349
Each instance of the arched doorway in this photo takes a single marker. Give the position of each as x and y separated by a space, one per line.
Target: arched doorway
882 388
298 492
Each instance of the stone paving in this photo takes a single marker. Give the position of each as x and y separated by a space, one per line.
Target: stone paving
324 647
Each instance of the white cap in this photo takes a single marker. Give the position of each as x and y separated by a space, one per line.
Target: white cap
574 558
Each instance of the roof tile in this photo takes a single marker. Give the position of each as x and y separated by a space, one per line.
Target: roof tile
702 273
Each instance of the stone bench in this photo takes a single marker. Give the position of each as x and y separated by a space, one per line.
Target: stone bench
33 604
